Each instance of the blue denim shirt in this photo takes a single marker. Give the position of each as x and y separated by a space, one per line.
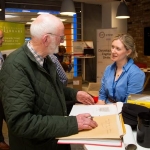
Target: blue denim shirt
1 60
131 81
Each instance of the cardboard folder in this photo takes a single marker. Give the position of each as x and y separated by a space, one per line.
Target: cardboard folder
109 127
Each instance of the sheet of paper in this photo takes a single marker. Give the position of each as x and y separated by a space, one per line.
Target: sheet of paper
139 97
116 143
94 147
128 139
129 142
145 98
119 106
94 110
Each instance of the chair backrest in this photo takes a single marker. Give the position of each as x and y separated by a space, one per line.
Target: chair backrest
141 65
93 86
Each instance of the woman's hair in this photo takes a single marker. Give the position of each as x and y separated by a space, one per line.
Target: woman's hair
62 49
128 43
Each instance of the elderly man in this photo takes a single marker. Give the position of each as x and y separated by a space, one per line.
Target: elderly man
33 96
3 145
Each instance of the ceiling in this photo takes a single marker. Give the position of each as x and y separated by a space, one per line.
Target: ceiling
24 17
94 1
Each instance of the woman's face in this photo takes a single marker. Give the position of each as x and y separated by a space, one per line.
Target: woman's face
118 52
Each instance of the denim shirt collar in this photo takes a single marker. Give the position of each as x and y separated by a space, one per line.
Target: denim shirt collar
126 66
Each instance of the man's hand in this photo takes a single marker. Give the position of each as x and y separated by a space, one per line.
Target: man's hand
85 122
85 98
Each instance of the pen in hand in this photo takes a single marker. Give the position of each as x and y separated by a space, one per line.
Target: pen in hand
90 117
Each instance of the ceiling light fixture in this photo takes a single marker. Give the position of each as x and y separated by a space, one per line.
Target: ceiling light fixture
42 12
67 8
33 19
28 22
122 11
11 16
0 7
63 20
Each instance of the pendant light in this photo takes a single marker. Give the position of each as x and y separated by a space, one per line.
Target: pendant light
122 11
0 7
67 8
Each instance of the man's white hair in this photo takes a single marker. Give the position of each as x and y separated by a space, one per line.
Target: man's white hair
45 23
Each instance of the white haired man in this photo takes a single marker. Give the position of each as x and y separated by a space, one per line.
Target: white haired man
33 96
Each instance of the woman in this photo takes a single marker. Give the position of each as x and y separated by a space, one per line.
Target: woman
122 77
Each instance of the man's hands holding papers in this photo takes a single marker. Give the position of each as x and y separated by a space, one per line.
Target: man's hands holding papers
85 98
85 122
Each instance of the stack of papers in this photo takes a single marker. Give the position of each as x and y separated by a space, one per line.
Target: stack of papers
109 131
97 110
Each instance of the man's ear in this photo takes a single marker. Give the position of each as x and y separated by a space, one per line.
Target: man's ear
45 40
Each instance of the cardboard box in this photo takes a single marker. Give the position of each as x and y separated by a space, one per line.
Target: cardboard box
77 83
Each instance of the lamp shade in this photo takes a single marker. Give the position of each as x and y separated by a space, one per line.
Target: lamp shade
67 8
122 11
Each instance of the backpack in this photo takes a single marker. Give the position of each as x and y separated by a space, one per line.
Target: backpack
130 113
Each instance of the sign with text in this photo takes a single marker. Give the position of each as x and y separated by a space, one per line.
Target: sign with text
104 39
14 35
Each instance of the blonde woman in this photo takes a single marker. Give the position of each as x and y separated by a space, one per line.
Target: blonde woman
122 77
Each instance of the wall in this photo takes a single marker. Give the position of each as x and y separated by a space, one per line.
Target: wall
121 24
109 17
97 17
68 37
91 22
139 18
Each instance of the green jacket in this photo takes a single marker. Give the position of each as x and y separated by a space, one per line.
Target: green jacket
34 103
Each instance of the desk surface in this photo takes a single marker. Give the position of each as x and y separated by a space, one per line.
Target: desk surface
93 93
90 147
145 69
147 73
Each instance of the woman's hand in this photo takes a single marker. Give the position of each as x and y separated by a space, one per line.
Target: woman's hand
100 102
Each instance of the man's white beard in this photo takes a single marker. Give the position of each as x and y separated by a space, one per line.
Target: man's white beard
56 50
53 47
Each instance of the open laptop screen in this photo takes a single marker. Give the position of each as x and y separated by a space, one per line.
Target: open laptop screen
88 51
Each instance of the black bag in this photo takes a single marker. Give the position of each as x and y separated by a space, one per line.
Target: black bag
130 113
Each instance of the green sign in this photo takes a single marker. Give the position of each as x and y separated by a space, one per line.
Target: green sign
14 35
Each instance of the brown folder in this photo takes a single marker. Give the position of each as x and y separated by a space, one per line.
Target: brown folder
109 127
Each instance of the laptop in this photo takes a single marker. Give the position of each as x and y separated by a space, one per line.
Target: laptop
88 51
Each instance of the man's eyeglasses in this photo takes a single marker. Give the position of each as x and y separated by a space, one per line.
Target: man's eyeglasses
61 37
